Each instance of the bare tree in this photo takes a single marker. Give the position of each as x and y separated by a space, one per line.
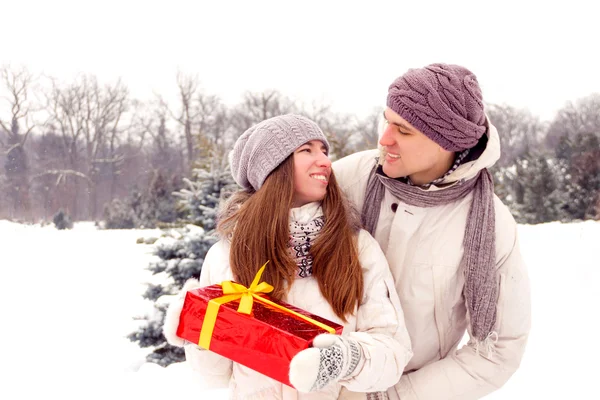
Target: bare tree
215 130
318 112
256 107
519 131
580 117
163 148
47 154
346 133
88 117
200 115
369 128
17 127
154 126
187 90
209 108
332 126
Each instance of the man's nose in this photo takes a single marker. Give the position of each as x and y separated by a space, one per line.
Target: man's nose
386 137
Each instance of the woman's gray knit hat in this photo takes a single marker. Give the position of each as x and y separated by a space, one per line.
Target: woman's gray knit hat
264 146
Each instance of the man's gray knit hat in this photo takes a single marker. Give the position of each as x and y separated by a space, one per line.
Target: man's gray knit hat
264 146
443 101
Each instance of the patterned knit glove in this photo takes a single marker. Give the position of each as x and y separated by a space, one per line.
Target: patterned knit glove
331 358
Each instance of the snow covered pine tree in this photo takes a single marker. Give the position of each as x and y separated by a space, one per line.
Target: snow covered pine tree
181 254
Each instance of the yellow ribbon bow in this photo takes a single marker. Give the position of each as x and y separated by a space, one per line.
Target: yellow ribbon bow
247 295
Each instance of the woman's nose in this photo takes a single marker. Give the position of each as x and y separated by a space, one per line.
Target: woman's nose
324 161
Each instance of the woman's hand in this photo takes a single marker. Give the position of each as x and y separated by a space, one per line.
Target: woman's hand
331 358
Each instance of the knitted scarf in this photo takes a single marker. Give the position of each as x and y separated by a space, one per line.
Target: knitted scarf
302 236
479 257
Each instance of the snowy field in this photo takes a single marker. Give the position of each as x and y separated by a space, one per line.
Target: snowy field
69 297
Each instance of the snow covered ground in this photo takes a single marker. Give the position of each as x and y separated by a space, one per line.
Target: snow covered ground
68 298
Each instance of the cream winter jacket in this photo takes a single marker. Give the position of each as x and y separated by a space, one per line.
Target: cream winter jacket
424 247
378 326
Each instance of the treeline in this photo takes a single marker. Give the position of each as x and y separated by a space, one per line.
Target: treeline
92 152
90 149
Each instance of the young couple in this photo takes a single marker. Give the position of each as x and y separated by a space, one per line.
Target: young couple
430 253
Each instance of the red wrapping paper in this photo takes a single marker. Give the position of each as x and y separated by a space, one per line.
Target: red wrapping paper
265 341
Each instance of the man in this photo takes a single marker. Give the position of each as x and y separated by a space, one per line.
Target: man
427 197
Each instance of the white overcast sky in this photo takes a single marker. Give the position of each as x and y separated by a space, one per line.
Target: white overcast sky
533 54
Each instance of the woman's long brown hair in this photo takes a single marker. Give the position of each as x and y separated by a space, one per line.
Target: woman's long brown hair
257 223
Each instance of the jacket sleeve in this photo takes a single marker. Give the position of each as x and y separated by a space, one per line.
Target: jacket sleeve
214 370
380 328
352 174
470 374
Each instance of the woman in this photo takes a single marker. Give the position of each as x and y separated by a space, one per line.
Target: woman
292 213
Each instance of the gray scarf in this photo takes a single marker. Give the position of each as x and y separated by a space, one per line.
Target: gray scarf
479 257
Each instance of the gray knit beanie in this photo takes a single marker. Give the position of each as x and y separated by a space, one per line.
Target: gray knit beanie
264 146
442 101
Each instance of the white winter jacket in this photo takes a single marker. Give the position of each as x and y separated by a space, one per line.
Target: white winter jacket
378 326
424 247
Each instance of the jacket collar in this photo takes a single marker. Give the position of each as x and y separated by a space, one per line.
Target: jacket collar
488 158
306 213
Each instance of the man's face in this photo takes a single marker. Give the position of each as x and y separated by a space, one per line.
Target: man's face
408 152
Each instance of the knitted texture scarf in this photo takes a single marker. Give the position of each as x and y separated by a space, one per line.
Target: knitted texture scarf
302 237
479 257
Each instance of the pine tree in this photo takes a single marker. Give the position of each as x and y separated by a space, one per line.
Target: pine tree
156 205
145 209
579 186
563 154
118 215
509 185
62 220
540 185
201 197
585 167
575 135
181 255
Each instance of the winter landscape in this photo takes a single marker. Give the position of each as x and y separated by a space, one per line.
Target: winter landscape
69 298
116 119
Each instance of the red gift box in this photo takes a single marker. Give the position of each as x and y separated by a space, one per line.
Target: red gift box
264 340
